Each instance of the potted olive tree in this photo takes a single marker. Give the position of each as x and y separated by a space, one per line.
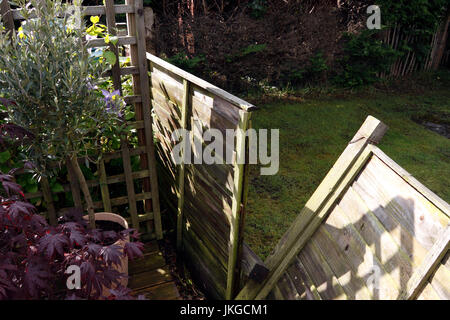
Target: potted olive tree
48 72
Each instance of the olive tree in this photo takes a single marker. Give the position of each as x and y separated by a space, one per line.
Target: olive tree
48 72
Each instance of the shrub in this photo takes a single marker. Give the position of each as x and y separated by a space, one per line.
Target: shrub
183 61
364 57
49 74
34 256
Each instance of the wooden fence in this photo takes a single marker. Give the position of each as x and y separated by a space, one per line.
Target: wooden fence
146 177
369 231
209 198
396 37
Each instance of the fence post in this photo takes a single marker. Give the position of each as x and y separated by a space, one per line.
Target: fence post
111 24
184 115
141 86
237 207
6 13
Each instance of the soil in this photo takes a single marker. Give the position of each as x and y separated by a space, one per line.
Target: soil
289 35
185 286
109 226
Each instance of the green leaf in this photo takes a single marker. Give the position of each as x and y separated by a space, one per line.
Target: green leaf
57 187
110 57
114 40
31 188
4 156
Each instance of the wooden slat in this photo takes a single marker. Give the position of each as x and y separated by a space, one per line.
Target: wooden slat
346 267
142 217
86 10
165 291
130 185
359 256
414 213
427 193
204 273
440 282
214 265
428 293
100 10
121 41
118 154
133 99
124 71
302 281
252 265
394 259
104 186
321 275
434 256
287 288
150 278
150 262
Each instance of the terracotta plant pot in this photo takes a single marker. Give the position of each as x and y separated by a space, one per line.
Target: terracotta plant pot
123 265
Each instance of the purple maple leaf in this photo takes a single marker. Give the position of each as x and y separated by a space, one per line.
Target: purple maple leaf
11 186
87 270
121 293
134 249
111 254
77 238
93 249
52 243
36 277
6 102
18 207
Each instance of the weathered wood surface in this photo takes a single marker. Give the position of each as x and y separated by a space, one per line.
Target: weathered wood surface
151 277
136 27
7 15
252 266
210 197
201 83
376 233
387 237
317 207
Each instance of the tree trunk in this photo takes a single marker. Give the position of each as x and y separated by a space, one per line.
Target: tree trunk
84 187
441 42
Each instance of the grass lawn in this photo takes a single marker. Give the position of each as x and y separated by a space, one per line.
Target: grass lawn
314 132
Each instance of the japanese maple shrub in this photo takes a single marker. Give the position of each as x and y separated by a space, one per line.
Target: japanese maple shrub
46 69
35 256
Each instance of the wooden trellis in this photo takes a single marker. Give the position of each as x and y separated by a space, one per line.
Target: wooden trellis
135 41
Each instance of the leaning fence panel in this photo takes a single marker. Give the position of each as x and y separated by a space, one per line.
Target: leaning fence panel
208 198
